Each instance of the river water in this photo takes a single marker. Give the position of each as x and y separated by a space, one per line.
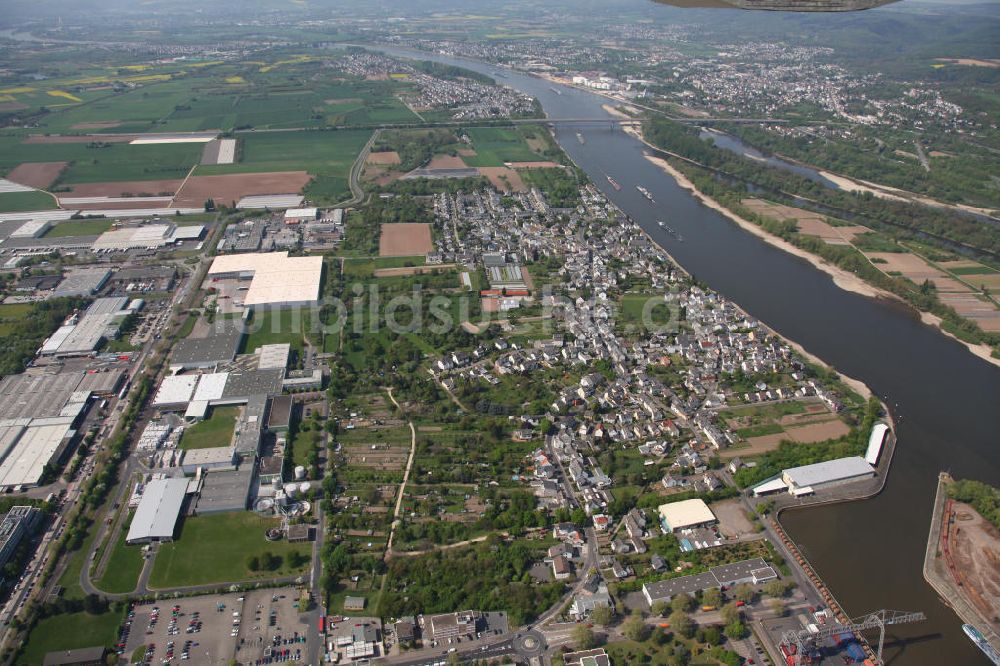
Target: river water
945 400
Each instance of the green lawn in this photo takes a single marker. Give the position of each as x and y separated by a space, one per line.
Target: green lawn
124 566
272 327
15 310
16 202
216 430
216 548
187 326
70 579
363 267
496 145
69 632
633 305
81 228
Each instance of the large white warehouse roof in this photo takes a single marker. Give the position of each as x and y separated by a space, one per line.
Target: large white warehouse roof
830 471
277 278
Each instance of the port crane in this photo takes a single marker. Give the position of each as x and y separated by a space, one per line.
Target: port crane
805 641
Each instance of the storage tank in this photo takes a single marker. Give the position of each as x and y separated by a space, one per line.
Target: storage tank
300 472
291 489
305 487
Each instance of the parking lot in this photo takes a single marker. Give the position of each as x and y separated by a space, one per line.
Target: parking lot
213 630
270 631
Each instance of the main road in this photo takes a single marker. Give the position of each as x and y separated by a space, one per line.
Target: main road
870 553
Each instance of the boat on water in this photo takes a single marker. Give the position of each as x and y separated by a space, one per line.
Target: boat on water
670 230
613 182
977 637
556 91
645 193
579 137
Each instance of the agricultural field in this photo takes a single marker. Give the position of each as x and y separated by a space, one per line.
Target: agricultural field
494 146
16 202
218 548
405 240
327 156
763 427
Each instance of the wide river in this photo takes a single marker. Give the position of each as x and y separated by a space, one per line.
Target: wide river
946 401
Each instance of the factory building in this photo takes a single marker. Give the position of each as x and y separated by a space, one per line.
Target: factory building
82 334
156 516
220 346
145 237
39 415
82 282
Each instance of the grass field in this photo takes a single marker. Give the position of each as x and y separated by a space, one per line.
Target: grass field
81 228
365 267
16 202
326 155
274 327
216 549
123 568
496 145
216 430
69 632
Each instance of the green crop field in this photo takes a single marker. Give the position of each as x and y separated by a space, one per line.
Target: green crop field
326 155
70 631
216 548
81 228
216 430
496 145
16 202
95 163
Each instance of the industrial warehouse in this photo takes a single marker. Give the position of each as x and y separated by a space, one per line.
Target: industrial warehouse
275 278
40 412
810 479
83 333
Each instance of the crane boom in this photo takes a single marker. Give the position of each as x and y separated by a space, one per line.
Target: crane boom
880 619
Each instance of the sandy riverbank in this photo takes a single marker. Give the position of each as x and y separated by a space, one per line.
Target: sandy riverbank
896 194
844 279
